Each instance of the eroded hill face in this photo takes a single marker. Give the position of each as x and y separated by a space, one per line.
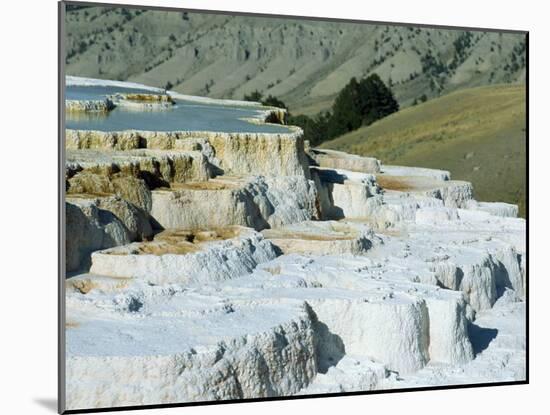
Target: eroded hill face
305 63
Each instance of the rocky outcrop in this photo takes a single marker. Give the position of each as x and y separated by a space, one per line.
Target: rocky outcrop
272 115
100 106
345 194
320 238
238 153
258 202
156 167
187 257
269 154
88 229
453 193
197 362
275 115
100 140
135 219
494 208
99 223
130 188
400 323
333 159
141 97
143 102
140 102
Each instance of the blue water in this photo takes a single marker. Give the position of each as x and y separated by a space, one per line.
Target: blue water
184 115
82 93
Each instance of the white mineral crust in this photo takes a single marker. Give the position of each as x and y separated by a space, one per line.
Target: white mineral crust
210 266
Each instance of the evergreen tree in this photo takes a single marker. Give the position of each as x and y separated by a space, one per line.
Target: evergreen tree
274 102
376 99
358 103
315 129
346 110
254 96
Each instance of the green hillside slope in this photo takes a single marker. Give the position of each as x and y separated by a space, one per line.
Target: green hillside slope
477 134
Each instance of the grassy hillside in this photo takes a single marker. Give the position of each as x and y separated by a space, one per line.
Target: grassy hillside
477 134
305 63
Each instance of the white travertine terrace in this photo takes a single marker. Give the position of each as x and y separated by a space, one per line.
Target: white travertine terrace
339 160
187 257
211 266
100 106
258 202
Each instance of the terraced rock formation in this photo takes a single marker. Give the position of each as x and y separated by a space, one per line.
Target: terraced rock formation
210 266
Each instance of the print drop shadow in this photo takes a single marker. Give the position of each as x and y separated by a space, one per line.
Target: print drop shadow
48 403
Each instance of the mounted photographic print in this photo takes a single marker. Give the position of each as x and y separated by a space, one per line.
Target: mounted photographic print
257 207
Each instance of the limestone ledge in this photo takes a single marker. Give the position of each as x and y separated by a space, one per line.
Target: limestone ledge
269 115
321 238
143 102
157 166
187 257
105 105
99 223
272 354
453 193
258 202
237 153
339 160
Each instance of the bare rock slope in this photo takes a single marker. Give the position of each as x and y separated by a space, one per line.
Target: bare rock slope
303 62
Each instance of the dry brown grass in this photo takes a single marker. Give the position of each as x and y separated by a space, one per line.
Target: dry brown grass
217 234
182 242
394 183
198 235
164 248
304 236
148 97
209 185
313 237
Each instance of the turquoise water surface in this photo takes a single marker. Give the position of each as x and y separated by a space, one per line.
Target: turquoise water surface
185 115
